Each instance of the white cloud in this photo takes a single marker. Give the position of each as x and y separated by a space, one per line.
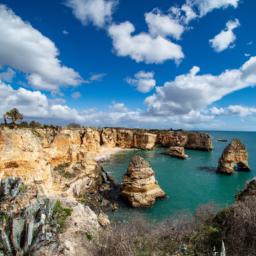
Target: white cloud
193 9
97 77
26 49
76 95
242 111
143 81
163 25
118 107
7 75
226 38
98 12
206 6
217 111
143 46
34 104
193 92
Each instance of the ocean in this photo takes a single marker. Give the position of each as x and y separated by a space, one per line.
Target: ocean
189 183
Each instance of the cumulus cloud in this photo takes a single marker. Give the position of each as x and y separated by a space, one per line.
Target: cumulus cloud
24 48
98 12
143 81
143 46
7 75
226 38
34 104
118 107
205 6
193 9
163 25
194 92
239 110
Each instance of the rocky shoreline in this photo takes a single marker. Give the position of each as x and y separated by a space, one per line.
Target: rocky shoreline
45 168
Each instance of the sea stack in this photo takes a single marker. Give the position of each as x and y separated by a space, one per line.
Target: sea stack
178 152
140 187
234 157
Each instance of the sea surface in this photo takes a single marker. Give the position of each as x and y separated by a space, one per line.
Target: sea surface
188 183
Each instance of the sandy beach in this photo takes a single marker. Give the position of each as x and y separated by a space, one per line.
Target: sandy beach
105 153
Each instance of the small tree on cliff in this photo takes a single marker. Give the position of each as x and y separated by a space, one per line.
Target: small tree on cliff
14 115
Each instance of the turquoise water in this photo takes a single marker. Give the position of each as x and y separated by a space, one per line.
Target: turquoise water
188 183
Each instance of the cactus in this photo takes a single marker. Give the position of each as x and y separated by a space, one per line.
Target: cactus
9 188
30 230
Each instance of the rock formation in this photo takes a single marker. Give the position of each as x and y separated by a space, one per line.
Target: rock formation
234 157
109 137
34 154
124 138
199 141
249 191
178 152
139 187
172 139
144 140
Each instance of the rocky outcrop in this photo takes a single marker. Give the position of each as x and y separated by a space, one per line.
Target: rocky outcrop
144 140
248 192
40 226
199 141
140 188
172 139
234 157
178 152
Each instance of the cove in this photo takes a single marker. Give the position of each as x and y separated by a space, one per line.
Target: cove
188 183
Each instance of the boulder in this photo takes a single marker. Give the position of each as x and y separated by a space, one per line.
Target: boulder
234 157
103 219
139 187
144 140
178 152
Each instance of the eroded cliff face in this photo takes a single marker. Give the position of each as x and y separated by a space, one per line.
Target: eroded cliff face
59 159
189 140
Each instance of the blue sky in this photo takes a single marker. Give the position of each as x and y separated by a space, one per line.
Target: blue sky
145 63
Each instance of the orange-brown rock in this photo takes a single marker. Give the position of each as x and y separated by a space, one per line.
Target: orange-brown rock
144 140
109 137
125 138
178 152
140 187
169 139
234 157
199 141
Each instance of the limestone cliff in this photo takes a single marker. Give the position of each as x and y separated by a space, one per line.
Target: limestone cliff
199 141
189 140
60 159
144 140
234 157
139 187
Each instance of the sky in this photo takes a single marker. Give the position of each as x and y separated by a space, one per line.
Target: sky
187 64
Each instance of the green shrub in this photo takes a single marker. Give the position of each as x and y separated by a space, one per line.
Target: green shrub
60 215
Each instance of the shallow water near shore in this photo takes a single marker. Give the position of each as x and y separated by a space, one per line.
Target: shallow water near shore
187 183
